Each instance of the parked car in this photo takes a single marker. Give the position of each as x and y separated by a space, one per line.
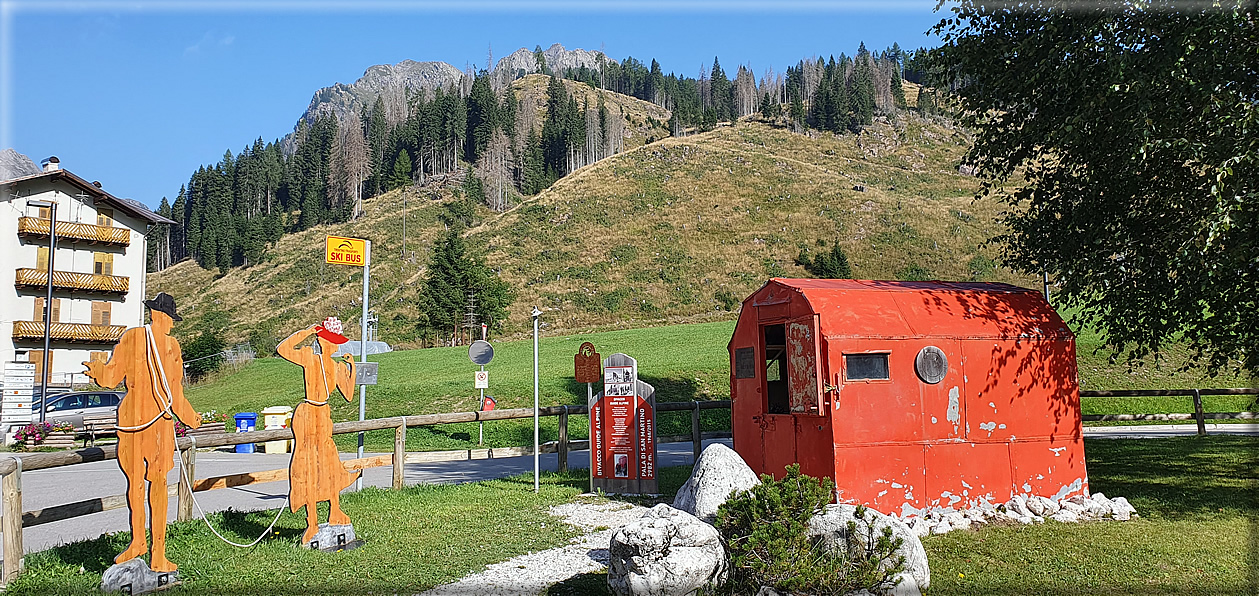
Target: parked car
75 406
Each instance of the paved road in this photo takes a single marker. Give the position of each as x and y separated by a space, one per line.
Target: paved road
44 488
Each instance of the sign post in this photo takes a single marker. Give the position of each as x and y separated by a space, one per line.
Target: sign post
588 369
357 252
481 353
623 431
536 471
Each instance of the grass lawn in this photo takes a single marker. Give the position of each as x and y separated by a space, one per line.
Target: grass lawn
415 539
1198 534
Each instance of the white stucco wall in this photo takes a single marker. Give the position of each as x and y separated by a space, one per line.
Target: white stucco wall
76 307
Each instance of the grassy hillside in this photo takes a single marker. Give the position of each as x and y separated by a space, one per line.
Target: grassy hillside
678 230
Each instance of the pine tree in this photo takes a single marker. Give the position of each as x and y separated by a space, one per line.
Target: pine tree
454 274
401 170
482 117
377 138
722 93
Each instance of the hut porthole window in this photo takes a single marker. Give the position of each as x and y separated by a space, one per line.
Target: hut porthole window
866 367
931 364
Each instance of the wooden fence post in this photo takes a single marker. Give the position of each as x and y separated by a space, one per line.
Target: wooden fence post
563 443
187 474
11 522
1197 413
697 442
400 454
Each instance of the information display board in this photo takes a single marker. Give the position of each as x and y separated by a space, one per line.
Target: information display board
19 386
623 431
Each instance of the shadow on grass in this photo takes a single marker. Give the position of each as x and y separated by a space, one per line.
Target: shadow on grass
571 479
250 525
1174 477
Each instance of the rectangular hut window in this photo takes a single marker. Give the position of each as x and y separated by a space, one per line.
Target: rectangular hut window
866 367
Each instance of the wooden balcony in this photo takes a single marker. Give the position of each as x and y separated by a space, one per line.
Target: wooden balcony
92 234
68 332
65 280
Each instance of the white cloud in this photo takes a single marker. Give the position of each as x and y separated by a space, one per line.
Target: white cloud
209 41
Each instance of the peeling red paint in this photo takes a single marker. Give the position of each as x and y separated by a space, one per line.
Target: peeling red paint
1011 372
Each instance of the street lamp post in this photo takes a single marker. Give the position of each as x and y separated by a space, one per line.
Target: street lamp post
52 253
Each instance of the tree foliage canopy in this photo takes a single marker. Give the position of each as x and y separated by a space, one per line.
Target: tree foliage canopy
1124 138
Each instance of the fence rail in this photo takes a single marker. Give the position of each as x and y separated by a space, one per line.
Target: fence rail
13 518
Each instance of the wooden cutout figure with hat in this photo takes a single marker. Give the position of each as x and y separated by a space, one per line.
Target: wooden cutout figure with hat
149 359
315 471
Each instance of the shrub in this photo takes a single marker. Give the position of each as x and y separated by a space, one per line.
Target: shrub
765 532
203 355
913 272
827 265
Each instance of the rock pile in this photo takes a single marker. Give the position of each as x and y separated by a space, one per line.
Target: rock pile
1024 509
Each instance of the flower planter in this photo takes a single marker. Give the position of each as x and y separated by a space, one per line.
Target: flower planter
57 440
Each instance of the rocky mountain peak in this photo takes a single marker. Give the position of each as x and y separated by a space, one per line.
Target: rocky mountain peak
15 165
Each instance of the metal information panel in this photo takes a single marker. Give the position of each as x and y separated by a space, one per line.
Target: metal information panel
365 373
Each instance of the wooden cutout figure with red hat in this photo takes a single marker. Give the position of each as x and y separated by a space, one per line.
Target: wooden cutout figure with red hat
316 472
149 359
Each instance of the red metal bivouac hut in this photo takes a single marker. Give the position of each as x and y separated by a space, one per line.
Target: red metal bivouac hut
908 394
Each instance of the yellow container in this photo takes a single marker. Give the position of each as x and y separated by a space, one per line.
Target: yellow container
276 418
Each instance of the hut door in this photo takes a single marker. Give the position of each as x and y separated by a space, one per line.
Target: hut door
803 383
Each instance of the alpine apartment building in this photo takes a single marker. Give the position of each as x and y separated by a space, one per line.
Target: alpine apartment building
98 273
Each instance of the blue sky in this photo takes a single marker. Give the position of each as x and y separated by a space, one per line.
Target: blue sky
138 94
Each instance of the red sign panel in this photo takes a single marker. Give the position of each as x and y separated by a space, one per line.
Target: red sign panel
623 431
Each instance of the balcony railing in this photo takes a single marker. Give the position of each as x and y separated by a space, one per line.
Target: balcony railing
34 226
65 280
70 332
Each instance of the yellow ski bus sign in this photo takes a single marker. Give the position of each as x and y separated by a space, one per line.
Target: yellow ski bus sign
346 251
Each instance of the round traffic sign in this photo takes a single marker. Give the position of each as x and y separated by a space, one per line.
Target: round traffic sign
480 352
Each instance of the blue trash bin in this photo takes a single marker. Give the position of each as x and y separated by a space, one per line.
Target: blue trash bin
246 421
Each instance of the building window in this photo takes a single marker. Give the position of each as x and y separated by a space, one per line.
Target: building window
104 217
39 309
103 263
100 313
866 367
37 357
43 212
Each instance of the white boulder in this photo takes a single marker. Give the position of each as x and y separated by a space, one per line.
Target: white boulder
718 473
1121 510
831 525
667 552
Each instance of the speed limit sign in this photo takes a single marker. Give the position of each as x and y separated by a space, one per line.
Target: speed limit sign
482 380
